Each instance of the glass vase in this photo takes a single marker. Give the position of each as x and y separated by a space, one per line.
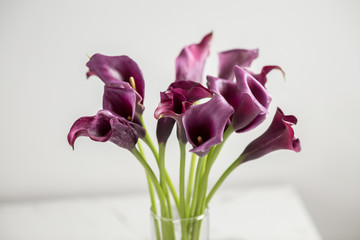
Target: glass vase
176 228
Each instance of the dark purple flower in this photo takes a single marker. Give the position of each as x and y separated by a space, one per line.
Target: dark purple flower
179 97
164 128
174 102
229 59
191 60
228 89
105 126
280 135
116 70
261 77
254 106
204 124
247 96
125 102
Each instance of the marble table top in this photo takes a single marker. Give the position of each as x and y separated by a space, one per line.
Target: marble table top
257 213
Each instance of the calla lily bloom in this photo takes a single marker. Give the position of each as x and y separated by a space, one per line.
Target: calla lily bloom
280 135
105 126
254 106
204 124
116 70
261 77
164 128
179 97
191 60
174 103
228 89
122 101
247 96
229 59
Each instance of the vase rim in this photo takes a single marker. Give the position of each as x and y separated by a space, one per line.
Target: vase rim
178 218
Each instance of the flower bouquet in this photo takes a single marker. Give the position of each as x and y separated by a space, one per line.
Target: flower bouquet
204 117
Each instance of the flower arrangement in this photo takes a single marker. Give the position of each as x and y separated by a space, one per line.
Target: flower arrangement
204 117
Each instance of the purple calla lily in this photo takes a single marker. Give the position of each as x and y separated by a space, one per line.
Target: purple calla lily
105 126
191 60
204 124
254 106
261 77
232 105
228 89
280 135
247 96
116 70
122 100
164 128
179 97
174 102
229 59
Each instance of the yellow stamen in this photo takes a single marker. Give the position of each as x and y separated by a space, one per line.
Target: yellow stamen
200 140
132 83
129 118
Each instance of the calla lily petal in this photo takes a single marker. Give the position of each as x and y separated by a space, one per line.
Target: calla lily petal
105 126
137 125
171 105
280 135
164 128
229 59
174 102
179 96
191 60
255 101
125 134
97 127
247 96
204 124
191 90
248 115
121 101
114 92
228 89
261 77
115 69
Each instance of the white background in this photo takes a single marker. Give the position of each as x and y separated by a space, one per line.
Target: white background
43 52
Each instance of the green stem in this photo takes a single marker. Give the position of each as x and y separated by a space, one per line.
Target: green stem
231 168
153 207
147 140
173 191
152 147
202 194
162 166
163 182
153 178
199 192
182 179
166 229
212 156
168 182
196 186
182 211
152 195
214 152
190 182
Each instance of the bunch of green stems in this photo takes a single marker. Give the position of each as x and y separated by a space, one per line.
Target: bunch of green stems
191 200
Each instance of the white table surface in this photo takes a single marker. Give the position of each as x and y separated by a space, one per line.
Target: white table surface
266 213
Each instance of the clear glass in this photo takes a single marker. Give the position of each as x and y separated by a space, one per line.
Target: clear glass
195 228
